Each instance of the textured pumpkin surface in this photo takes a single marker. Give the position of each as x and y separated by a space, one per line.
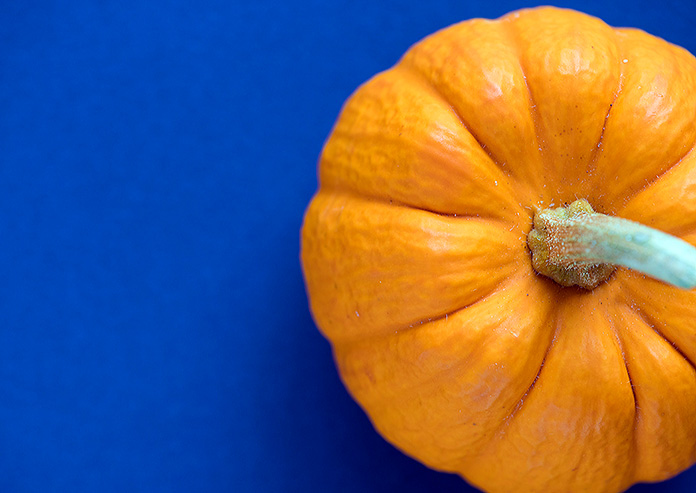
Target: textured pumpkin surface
416 264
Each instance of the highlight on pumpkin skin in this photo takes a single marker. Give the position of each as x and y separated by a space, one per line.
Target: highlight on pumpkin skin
576 246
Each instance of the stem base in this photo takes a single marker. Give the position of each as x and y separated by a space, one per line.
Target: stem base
554 246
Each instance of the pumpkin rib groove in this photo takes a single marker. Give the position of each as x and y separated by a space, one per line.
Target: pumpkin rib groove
345 347
617 93
592 165
652 324
509 30
640 336
620 342
365 136
628 190
397 203
437 91
520 403
499 433
335 187
636 406
630 468
461 364
514 278
658 177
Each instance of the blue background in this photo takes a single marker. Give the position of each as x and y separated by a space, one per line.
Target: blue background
155 162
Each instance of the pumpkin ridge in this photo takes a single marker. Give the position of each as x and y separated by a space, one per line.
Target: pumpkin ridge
652 324
640 335
425 153
388 138
498 434
569 112
407 67
495 289
508 25
647 139
627 198
458 366
528 179
515 410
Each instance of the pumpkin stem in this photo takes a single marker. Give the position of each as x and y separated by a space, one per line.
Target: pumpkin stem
576 246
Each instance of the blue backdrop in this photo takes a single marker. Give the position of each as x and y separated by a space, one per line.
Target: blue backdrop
155 162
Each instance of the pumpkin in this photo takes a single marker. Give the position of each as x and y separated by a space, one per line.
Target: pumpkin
500 253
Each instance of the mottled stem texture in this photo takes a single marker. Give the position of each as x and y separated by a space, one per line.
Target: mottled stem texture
576 246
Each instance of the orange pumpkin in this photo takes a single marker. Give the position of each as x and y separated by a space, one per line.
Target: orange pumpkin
427 247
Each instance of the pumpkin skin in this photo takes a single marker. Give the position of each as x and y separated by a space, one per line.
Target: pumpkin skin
417 268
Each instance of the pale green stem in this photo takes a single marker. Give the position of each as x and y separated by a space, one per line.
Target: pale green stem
604 239
577 246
